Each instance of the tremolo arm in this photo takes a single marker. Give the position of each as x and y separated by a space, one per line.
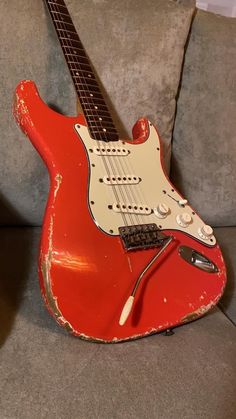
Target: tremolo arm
141 237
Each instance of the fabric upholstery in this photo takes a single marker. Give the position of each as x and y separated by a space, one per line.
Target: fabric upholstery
46 373
204 141
226 237
137 50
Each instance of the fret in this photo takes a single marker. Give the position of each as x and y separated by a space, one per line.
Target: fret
88 95
103 136
73 47
105 119
102 128
57 3
101 131
84 73
66 30
64 17
85 85
93 104
107 127
78 74
84 68
88 91
75 62
62 21
91 101
72 40
98 113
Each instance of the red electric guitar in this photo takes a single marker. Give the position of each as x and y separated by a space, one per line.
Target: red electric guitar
123 255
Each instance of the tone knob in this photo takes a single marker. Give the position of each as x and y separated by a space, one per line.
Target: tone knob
205 232
161 211
184 219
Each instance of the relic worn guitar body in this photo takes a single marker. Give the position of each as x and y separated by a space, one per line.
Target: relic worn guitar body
122 254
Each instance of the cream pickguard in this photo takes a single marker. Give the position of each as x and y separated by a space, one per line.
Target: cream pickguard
127 186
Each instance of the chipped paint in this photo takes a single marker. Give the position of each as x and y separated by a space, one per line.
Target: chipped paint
48 258
24 109
58 179
129 263
200 311
46 268
46 264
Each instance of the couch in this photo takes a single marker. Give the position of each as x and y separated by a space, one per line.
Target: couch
159 53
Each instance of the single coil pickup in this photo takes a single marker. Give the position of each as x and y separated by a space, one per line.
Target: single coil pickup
121 180
131 208
111 151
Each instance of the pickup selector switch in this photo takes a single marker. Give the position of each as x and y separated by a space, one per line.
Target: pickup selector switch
205 232
184 219
161 211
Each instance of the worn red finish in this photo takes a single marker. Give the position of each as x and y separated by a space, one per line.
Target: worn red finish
85 275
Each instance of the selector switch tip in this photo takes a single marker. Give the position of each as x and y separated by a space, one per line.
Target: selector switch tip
184 219
205 232
182 202
162 210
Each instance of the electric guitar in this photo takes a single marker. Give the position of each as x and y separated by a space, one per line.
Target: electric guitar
123 255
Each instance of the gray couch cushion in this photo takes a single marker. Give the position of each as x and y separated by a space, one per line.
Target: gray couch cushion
137 49
46 373
227 240
204 143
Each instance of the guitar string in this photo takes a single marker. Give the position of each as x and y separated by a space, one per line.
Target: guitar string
127 190
131 196
70 46
112 166
125 186
111 162
106 164
139 190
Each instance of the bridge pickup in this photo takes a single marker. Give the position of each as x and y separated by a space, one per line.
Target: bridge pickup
142 236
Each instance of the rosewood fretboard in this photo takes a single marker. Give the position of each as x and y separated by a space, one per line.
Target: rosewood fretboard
93 104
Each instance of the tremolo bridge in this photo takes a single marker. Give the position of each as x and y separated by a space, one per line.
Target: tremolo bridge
142 236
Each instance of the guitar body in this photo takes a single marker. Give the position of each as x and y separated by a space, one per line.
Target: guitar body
86 274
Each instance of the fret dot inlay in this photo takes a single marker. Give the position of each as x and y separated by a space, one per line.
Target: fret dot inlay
93 104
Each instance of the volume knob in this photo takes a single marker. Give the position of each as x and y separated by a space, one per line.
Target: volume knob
205 232
184 219
161 211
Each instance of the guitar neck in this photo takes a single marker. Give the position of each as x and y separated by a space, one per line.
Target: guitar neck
96 112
